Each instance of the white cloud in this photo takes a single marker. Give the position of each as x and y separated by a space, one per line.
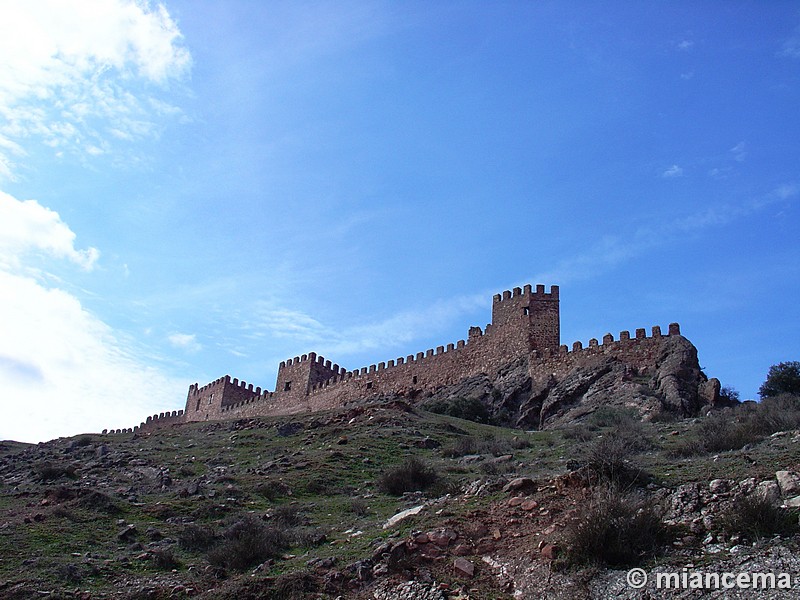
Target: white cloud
185 341
673 171
685 45
28 226
70 69
62 370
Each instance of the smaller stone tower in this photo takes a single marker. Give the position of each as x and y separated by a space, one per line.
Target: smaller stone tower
297 375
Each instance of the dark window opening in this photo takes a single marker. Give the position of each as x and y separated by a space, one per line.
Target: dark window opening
526 311
414 379
198 405
287 386
369 385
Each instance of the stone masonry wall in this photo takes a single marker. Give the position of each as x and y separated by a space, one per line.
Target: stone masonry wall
523 320
525 323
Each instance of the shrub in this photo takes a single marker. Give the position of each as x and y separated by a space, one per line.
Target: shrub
614 529
98 502
196 538
579 433
487 445
271 489
413 475
609 458
687 447
725 430
783 378
247 543
608 416
470 409
754 517
358 506
47 471
288 515
777 413
165 559
728 395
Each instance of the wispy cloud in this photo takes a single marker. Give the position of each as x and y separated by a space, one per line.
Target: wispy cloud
673 171
685 45
791 46
739 152
185 341
787 191
70 72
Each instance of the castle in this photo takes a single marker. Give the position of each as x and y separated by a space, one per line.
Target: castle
525 324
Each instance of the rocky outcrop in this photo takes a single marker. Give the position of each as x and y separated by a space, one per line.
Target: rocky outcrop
652 376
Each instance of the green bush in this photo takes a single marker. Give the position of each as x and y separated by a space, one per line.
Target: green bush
614 529
411 476
783 378
470 409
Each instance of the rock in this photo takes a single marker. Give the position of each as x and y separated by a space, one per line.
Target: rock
502 459
529 505
464 567
550 551
516 501
719 486
520 485
470 458
127 534
407 590
442 537
789 482
769 491
793 502
403 515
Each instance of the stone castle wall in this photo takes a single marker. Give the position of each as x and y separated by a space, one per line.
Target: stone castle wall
525 323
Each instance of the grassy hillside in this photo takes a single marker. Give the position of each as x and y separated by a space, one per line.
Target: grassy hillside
296 507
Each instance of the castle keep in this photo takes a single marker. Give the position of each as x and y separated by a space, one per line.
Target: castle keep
525 324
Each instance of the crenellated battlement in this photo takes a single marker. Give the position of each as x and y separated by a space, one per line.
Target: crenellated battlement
525 323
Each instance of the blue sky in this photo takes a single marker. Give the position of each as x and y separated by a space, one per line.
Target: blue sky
193 188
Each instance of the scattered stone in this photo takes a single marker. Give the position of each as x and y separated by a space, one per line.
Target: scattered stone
550 551
789 482
442 537
464 567
127 534
769 491
516 501
793 502
520 485
719 486
529 505
407 590
403 515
